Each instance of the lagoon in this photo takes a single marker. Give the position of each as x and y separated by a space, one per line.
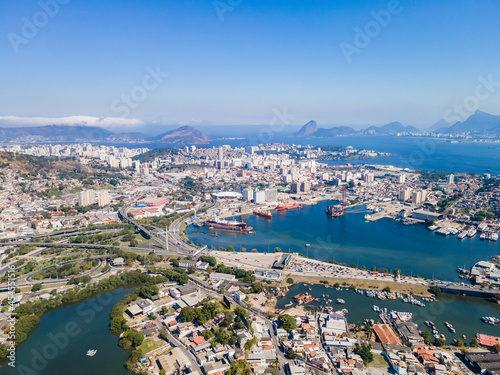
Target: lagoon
60 342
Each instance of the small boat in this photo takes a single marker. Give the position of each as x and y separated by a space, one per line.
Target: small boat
490 320
471 233
340 301
91 352
307 244
376 308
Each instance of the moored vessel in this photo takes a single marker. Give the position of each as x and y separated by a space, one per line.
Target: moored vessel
227 225
288 206
266 214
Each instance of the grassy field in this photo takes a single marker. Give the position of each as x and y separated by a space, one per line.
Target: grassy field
378 362
148 345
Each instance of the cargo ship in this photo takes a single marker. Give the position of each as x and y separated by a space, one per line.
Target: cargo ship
227 225
266 214
288 206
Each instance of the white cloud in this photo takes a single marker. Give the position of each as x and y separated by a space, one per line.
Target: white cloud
104 122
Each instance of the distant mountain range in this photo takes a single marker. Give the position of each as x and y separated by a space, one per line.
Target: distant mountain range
63 133
478 124
54 133
311 130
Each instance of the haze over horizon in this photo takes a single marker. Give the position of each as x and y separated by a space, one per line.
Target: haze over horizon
203 63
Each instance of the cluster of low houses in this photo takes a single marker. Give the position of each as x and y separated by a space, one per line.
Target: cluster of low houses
218 358
213 360
322 340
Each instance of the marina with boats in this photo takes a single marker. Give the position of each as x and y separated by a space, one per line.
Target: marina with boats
446 313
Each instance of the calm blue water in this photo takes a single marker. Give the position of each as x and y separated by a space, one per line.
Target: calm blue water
384 243
60 344
464 313
414 153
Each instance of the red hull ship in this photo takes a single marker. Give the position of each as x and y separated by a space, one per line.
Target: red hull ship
228 226
288 206
265 214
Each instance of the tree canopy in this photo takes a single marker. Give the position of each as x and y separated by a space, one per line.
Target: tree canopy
287 322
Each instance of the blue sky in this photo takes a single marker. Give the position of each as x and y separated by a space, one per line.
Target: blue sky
260 56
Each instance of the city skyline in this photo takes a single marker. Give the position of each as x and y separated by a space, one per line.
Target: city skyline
214 63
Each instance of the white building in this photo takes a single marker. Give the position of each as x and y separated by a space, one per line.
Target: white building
248 194
102 198
259 196
222 276
86 198
416 197
271 195
404 194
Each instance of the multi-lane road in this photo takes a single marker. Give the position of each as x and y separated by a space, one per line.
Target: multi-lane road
175 244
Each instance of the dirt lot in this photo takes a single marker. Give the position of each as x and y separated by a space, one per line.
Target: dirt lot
419 290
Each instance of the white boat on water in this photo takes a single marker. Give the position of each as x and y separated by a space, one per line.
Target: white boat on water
443 231
471 233
91 352
432 228
462 235
482 227
368 217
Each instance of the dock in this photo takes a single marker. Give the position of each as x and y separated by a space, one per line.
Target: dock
467 290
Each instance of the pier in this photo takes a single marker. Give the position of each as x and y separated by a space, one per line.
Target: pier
467 289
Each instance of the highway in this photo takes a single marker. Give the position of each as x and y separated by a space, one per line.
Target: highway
176 244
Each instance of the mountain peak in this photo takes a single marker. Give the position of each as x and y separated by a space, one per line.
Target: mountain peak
480 113
479 122
184 135
308 129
